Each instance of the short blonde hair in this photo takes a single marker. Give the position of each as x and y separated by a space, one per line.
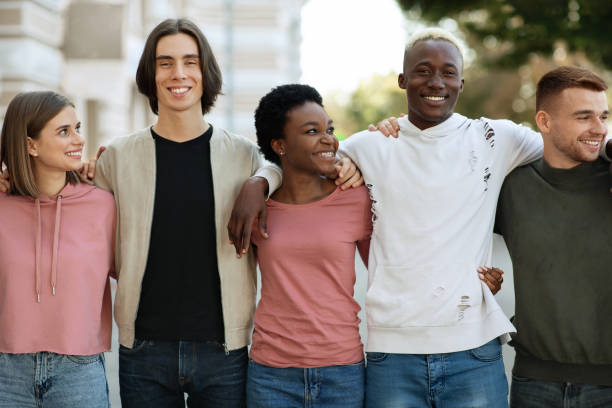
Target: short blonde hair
435 33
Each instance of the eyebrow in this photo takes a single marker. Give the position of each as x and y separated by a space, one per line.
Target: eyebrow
67 126
446 64
167 57
587 111
313 123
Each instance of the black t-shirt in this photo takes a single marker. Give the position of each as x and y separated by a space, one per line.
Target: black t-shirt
181 293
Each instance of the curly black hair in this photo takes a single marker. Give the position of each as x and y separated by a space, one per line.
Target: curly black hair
271 113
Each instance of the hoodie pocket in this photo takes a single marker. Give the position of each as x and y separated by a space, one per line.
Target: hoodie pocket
430 295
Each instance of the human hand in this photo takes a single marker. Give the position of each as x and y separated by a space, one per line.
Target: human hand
492 277
388 127
347 174
4 181
249 205
88 171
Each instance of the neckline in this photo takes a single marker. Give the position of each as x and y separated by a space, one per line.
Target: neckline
323 200
577 176
206 136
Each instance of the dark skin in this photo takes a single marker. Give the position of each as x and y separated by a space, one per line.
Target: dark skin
432 81
250 203
307 151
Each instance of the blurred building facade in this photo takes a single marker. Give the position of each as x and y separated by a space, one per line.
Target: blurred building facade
89 50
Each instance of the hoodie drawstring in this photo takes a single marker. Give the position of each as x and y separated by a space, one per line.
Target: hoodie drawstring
37 273
58 214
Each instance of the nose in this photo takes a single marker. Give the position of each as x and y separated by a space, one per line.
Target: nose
330 140
179 70
77 138
435 81
600 127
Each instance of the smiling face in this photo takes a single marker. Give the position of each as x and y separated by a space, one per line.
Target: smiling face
573 127
432 80
59 145
308 144
178 75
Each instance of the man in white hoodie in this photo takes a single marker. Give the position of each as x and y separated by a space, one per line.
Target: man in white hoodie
434 330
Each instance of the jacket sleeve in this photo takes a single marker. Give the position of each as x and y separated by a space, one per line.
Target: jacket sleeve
102 178
263 168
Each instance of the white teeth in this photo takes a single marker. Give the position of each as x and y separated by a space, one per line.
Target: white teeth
434 98
178 90
591 142
327 154
74 154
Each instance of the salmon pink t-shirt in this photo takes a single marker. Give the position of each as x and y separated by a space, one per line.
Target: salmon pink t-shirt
307 316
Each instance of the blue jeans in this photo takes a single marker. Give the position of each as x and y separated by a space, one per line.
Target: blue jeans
159 373
50 380
324 387
528 393
472 378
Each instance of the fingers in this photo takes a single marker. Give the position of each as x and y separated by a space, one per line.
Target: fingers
346 169
245 239
99 152
234 231
492 277
4 182
249 205
372 128
354 181
389 127
263 226
91 171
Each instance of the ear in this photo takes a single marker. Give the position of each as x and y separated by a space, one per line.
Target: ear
32 147
278 145
401 81
543 121
461 86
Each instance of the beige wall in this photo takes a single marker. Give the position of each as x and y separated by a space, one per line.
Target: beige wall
89 50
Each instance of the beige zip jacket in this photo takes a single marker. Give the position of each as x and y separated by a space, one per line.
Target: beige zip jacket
127 169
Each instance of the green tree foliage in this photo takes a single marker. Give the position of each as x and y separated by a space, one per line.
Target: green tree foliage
522 27
376 98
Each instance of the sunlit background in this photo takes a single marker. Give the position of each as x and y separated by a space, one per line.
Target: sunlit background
350 50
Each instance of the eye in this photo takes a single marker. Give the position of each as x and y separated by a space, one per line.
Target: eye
164 64
63 132
312 131
78 129
330 130
192 62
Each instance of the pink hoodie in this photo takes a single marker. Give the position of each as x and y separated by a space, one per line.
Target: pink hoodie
56 255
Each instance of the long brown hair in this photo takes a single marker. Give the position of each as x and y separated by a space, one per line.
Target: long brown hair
26 115
211 74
